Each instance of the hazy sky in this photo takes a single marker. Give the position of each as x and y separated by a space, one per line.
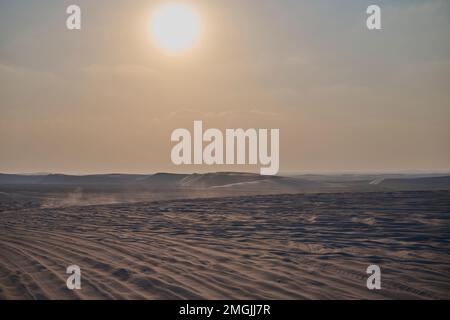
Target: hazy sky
106 98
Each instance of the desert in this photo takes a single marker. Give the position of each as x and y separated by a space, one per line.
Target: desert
310 245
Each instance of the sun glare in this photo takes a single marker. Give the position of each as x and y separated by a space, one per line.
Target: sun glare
175 27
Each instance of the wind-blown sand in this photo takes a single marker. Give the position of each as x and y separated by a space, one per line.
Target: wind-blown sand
315 246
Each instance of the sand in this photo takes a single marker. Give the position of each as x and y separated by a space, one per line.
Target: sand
315 246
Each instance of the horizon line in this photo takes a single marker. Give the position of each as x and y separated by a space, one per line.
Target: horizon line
299 172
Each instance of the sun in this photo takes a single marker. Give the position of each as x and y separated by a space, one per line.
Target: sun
175 27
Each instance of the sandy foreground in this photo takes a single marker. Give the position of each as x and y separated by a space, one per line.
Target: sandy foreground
314 246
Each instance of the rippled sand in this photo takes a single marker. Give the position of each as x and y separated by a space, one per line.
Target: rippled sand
314 246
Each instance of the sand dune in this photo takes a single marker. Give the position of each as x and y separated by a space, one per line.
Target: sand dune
268 247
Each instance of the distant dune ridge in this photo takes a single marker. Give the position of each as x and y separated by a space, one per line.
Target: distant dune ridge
222 179
57 190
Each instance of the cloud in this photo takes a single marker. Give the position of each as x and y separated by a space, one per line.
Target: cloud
119 70
12 72
198 114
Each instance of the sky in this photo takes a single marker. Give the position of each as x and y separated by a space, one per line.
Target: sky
106 98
